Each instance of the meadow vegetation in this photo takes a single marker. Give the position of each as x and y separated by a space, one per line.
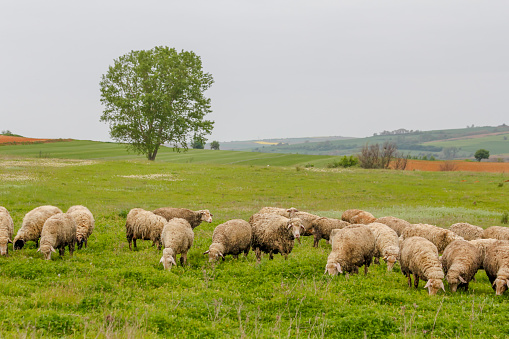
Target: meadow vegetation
108 291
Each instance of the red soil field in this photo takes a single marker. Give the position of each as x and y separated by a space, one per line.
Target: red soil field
9 140
472 166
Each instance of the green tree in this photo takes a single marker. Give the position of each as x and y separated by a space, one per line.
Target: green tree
153 97
198 143
214 145
481 154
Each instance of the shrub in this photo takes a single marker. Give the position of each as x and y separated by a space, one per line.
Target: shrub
448 166
377 156
505 218
344 162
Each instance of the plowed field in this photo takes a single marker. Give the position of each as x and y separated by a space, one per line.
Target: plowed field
10 140
422 165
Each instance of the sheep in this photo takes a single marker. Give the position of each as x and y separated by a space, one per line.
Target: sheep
386 244
419 256
467 231
307 221
143 225
6 230
276 210
84 222
363 218
58 231
461 261
348 214
437 235
32 224
496 266
177 238
232 237
353 246
482 245
496 232
322 228
193 217
395 223
272 234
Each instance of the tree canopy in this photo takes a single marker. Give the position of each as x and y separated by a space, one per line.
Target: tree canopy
481 154
153 97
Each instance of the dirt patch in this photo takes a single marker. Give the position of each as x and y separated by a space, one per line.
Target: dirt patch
10 140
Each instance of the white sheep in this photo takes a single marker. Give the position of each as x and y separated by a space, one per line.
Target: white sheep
352 247
386 244
437 235
322 228
482 245
496 232
272 234
193 217
32 225
143 225
349 214
396 224
232 237
6 230
85 223
58 231
467 231
461 261
177 237
419 257
285 212
496 266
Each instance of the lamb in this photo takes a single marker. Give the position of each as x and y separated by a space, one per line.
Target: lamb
461 261
32 225
272 234
143 225
6 230
58 231
177 238
322 228
419 256
496 266
232 237
437 235
276 210
496 232
467 231
193 217
353 246
386 244
84 222
395 223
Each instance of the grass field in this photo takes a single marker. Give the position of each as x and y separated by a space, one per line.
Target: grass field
107 291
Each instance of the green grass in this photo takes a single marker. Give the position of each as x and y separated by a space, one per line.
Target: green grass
107 291
496 144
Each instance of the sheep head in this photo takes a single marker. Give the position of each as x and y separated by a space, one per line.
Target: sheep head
433 285
501 285
390 260
167 259
80 241
46 250
333 268
215 252
454 280
4 241
206 215
291 211
18 244
295 225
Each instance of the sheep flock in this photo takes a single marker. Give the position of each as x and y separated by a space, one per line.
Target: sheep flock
425 252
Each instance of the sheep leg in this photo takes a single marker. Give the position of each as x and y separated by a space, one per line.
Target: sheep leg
286 256
129 240
365 269
134 242
409 279
61 251
235 256
271 256
183 259
246 252
315 242
71 248
416 280
258 254
377 260
86 241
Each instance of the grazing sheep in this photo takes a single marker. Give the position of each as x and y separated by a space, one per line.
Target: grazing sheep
307 221
6 230
322 228
193 217
272 234
496 266
386 244
396 224
482 245
496 232
363 218
285 212
353 246
177 238
419 256
349 214
58 231
437 235
143 225
32 225
84 222
467 231
232 237
461 261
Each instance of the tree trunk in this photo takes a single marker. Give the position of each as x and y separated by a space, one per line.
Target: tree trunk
152 156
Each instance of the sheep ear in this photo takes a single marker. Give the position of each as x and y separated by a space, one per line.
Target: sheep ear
162 260
9 241
325 270
302 227
338 266
427 284
39 249
53 250
290 225
442 285
173 261
462 280
206 252
507 282
494 283
221 255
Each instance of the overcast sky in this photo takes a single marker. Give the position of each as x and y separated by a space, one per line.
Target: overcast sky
281 68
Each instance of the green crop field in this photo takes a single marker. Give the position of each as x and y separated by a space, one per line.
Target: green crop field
108 291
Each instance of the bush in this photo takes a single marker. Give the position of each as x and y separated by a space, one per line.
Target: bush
344 162
505 218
